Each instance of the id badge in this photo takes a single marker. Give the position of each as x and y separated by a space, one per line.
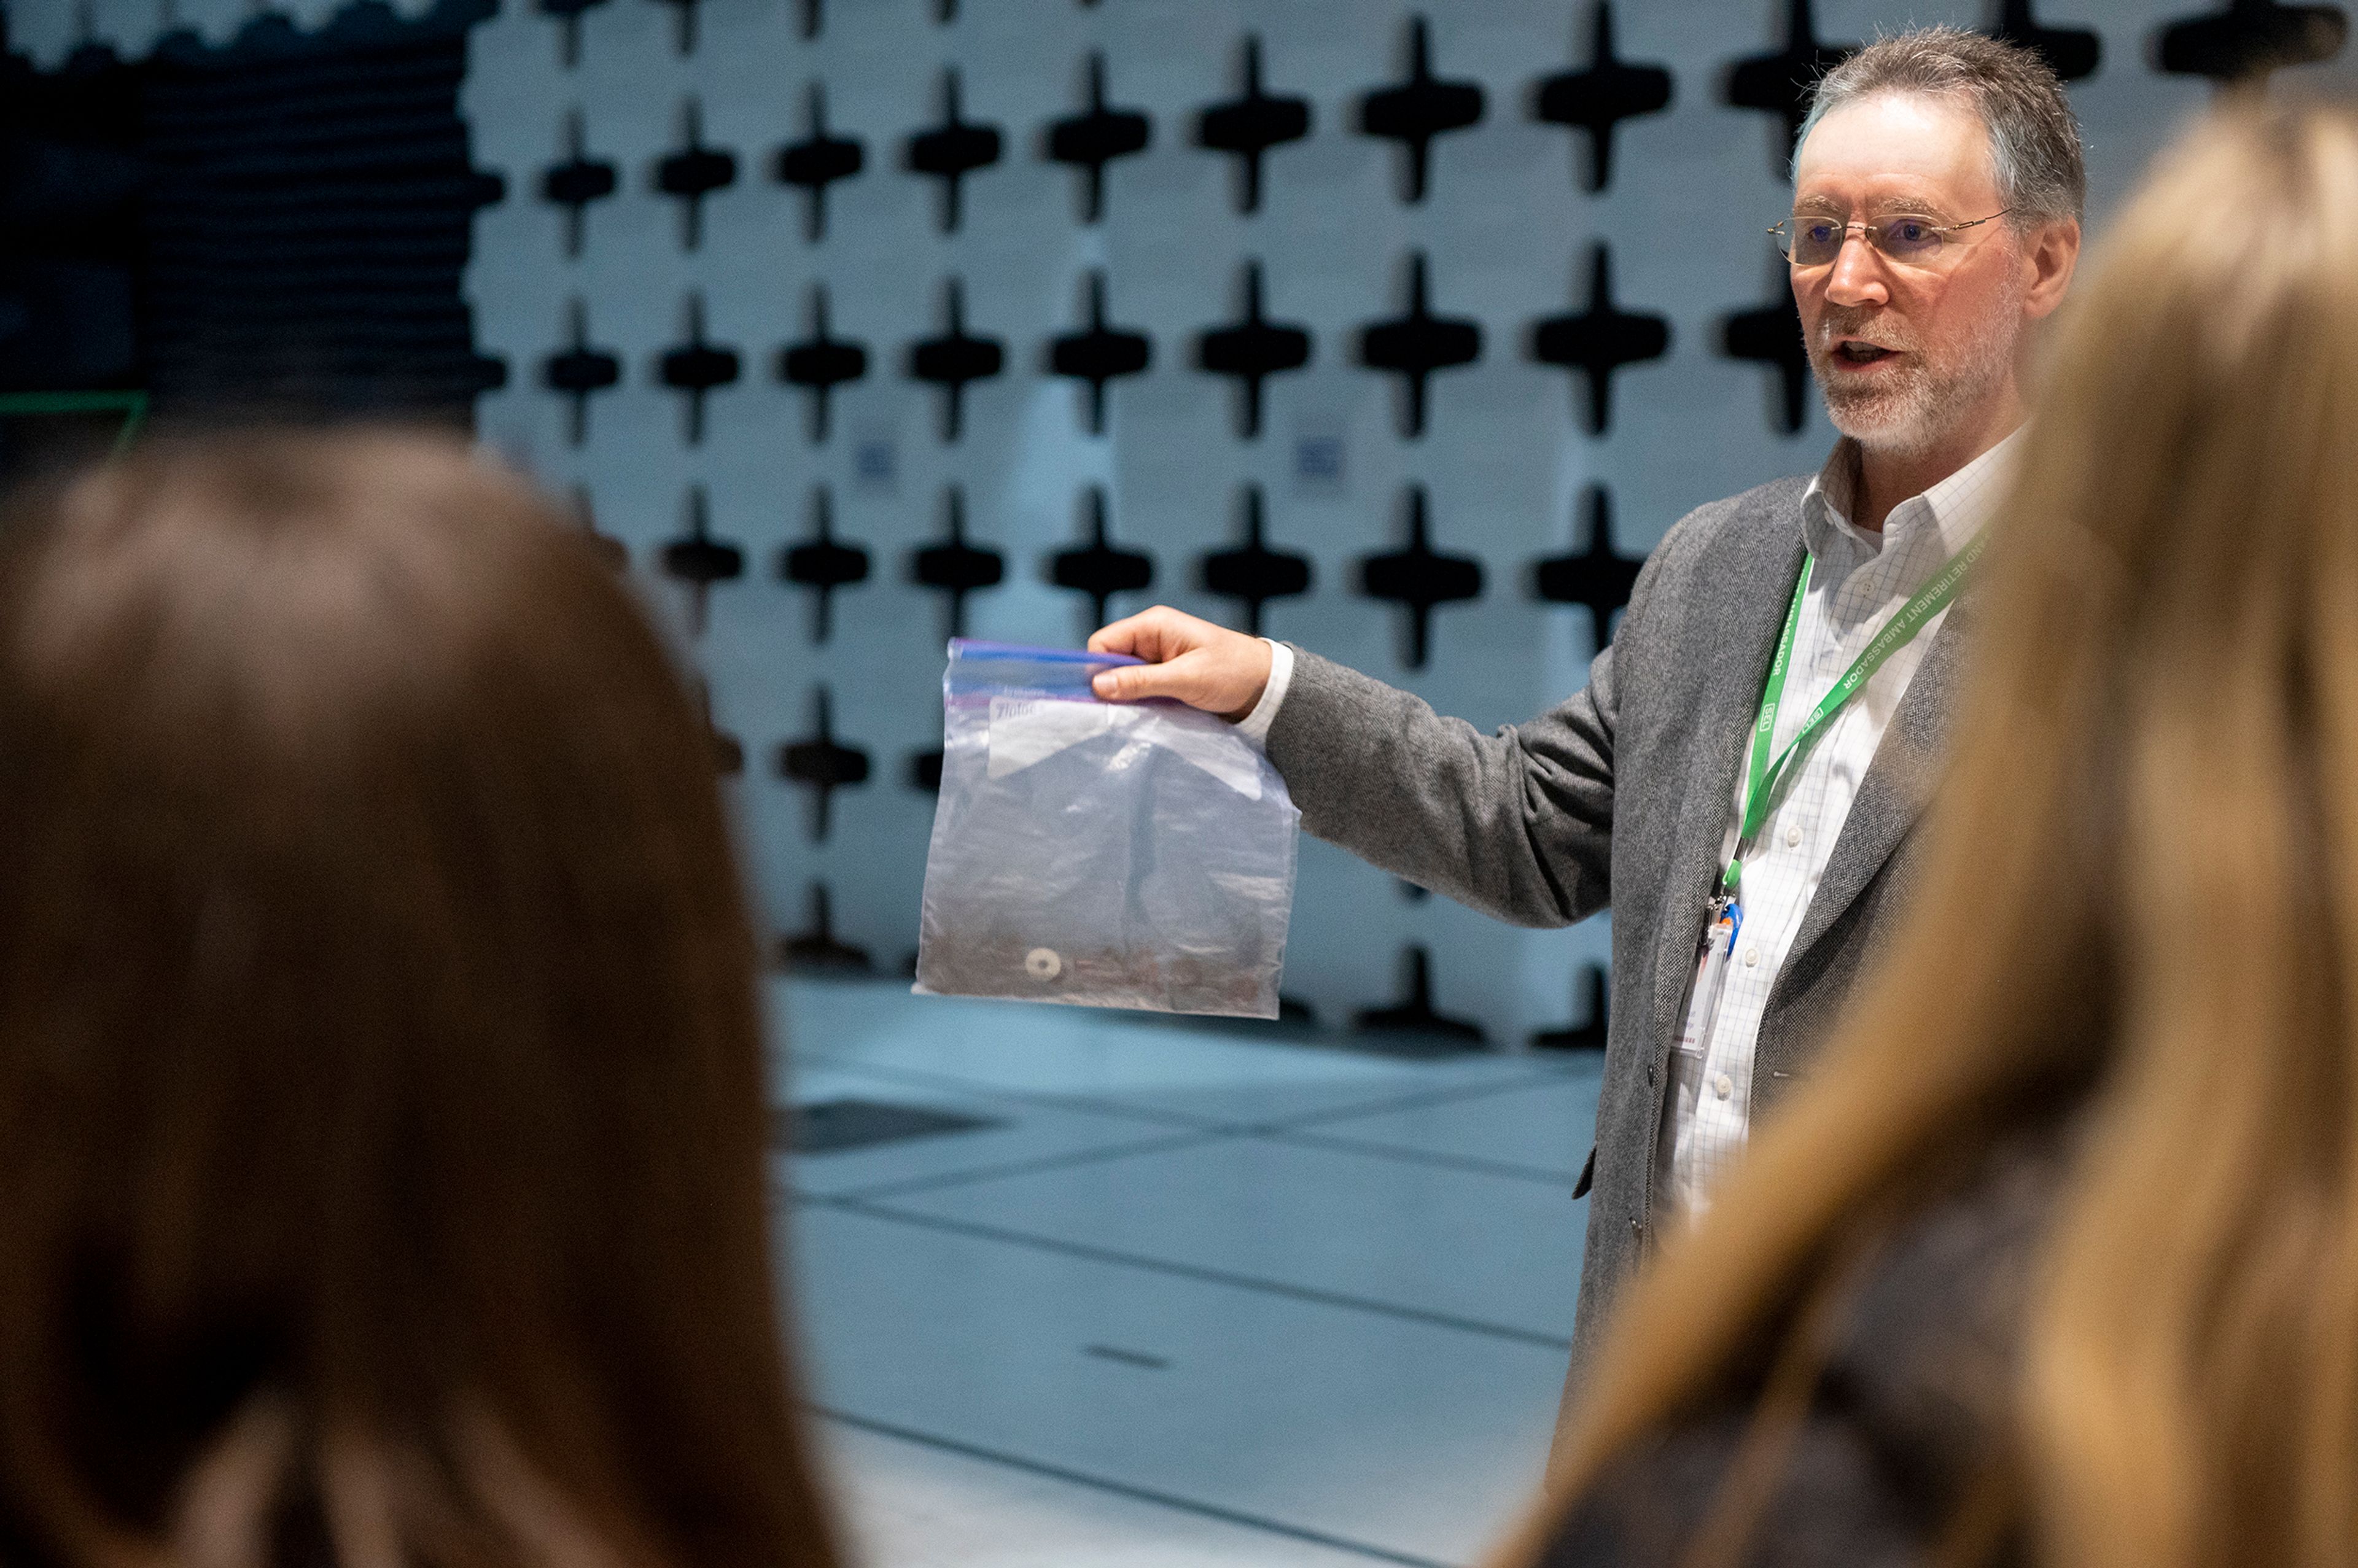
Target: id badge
1711 973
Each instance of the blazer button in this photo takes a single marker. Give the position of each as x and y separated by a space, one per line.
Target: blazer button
1650 1074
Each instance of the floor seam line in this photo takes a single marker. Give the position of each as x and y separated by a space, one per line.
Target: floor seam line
1193 1272
1070 1161
1126 1489
1418 1101
1535 1175
1042 1098
1535 1077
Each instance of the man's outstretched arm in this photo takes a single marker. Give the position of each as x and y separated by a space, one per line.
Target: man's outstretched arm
1517 824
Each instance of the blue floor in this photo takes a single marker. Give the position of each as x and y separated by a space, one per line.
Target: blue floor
1187 1296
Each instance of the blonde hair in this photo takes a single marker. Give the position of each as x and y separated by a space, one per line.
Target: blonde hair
2133 903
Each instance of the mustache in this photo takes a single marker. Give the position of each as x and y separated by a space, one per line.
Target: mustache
1840 322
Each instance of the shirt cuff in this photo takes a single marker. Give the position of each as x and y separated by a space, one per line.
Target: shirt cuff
1254 726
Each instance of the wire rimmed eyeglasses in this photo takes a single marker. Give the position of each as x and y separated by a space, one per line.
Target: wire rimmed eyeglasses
1811 240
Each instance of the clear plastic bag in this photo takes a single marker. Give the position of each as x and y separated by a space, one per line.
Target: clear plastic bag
1105 854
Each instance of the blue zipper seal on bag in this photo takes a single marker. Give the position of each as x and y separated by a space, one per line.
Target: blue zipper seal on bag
968 648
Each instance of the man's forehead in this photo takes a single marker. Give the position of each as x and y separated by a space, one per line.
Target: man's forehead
1892 150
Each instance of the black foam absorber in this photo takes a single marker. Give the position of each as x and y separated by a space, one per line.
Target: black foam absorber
1420 578
699 559
1415 110
822 765
1251 350
821 362
579 370
818 161
2250 39
823 563
1781 82
1588 1034
1098 352
955 566
926 771
1414 1015
1247 125
1252 574
953 149
576 182
301 205
955 359
1770 335
1417 343
1095 137
568 25
1100 568
1599 98
816 949
2070 52
693 172
695 368
1597 576
684 25
1598 341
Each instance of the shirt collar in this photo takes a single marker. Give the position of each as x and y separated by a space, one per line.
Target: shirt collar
1955 509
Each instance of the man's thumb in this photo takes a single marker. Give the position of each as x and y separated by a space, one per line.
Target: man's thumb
1130 683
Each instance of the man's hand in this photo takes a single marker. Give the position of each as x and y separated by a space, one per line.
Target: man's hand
1201 665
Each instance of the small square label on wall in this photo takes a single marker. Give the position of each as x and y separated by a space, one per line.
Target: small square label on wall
1318 458
875 462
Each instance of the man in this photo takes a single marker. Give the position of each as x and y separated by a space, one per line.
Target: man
1938 190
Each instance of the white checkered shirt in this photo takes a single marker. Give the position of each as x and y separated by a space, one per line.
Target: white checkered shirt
1859 582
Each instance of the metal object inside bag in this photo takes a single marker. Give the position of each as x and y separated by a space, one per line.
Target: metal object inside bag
1134 855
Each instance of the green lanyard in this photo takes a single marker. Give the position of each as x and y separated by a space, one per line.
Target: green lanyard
1763 776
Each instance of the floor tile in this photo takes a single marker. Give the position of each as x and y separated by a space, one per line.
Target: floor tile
1079 1054
1023 1133
911 1504
1410 1438
1545 1128
1458 1243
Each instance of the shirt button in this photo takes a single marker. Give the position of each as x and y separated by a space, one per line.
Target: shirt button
1752 957
1723 1086
1793 837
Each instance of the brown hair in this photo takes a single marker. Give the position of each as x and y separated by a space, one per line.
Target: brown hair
381 1116
2138 884
2035 154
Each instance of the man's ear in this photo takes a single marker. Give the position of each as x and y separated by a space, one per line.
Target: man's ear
2049 259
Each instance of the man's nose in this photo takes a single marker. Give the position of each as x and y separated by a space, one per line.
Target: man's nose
1856 276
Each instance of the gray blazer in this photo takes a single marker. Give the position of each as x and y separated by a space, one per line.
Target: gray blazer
1623 795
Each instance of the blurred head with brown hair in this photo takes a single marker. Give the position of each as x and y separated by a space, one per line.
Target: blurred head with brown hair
2137 911
381 1121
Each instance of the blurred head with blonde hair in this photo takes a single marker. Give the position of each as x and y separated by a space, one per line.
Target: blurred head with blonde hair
2136 919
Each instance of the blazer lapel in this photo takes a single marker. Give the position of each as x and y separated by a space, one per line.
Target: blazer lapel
1899 783
1754 588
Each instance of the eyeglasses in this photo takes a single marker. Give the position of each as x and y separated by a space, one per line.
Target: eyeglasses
1917 241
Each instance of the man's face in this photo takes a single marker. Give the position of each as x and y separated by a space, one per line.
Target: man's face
1905 351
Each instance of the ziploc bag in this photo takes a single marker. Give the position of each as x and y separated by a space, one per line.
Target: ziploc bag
1106 854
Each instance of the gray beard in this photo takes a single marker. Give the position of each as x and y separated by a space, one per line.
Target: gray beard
1918 407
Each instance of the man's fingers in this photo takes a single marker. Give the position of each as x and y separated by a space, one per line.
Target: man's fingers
1154 635
1120 637
1201 665
1132 682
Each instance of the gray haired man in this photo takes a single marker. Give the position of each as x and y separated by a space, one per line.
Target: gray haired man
1740 777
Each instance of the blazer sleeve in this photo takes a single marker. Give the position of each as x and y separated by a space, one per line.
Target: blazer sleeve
1517 824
